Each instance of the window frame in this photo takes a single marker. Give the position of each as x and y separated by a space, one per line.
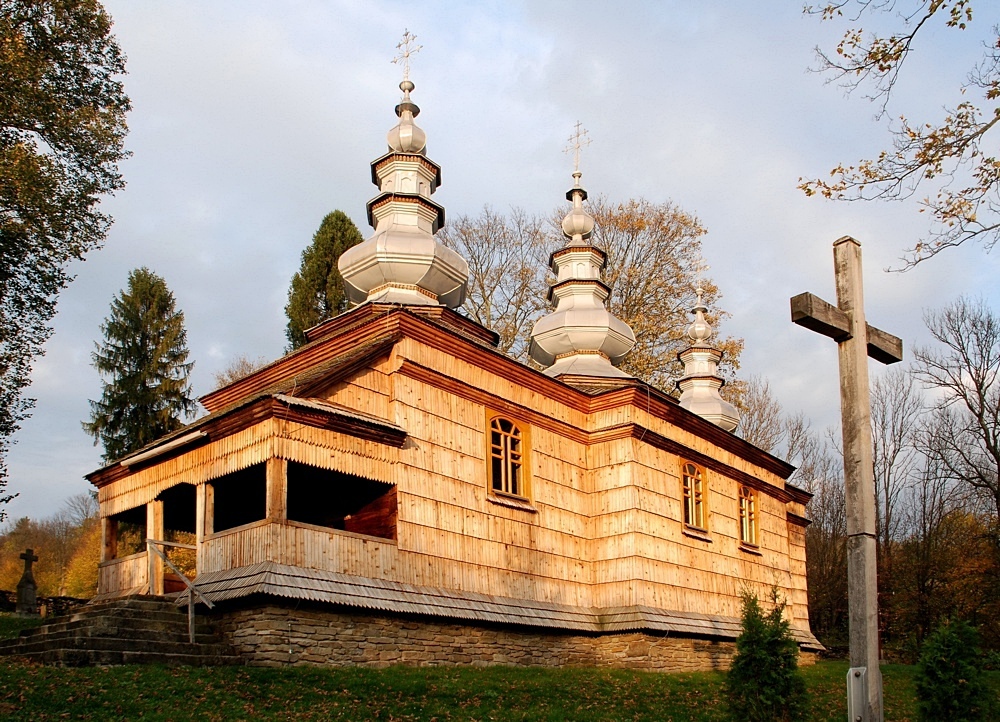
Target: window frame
694 497
520 490
749 516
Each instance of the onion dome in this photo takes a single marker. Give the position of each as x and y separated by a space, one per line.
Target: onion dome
701 381
580 337
407 137
402 262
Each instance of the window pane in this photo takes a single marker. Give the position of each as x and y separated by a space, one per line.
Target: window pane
497 474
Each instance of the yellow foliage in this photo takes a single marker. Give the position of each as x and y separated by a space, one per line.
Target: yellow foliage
81 575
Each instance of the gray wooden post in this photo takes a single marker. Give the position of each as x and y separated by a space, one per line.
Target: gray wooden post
856 341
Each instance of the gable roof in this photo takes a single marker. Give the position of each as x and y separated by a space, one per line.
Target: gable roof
275 400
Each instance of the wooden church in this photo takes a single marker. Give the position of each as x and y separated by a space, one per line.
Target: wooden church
398 491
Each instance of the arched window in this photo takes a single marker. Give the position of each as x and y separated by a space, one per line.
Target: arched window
693 482
507 475
748 515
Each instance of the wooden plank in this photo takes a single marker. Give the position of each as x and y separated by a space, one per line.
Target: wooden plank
109 538
277 489
812 312
884 347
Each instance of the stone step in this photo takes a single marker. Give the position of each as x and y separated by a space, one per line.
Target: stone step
112 624
121 644
179 643
73 657
131 630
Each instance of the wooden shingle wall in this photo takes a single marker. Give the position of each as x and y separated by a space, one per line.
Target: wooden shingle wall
602 526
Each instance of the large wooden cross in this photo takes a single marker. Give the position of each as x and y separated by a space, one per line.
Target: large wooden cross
856 341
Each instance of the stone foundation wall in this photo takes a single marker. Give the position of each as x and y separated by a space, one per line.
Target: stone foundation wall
275 635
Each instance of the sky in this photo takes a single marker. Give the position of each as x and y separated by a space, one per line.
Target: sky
253 120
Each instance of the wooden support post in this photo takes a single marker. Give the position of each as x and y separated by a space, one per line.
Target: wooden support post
277 489
109 538
856 341
209 509
199 528
155 530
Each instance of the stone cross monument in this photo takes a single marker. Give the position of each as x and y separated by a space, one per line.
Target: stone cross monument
856 341
27 590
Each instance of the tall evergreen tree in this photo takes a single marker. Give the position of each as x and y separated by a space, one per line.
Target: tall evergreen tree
317 290
144 355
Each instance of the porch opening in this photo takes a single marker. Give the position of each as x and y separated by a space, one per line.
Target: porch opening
240 498
341 501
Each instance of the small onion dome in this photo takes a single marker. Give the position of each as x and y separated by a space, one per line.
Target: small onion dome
699 331
407 136
578 225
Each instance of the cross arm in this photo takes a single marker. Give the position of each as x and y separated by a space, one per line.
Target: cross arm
884 347
817 315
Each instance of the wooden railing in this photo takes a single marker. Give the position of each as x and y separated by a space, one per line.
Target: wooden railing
124 574
302 545
154 553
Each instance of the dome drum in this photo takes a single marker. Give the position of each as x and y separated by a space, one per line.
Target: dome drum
586 289
393 161
563 260
388 204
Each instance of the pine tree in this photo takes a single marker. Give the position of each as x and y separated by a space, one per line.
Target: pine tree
317 290
144 355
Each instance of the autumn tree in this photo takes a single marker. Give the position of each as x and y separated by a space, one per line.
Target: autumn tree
317 289
951 155
237 369
762 420
143 359
508 261
62 131
964 371
67 544
654 267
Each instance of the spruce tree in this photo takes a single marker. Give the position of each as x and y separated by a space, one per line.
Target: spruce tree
317 290
949 679
763 683
144 358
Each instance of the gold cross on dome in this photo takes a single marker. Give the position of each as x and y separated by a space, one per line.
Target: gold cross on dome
406 48
577 142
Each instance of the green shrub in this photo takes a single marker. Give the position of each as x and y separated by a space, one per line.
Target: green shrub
764 684
949 680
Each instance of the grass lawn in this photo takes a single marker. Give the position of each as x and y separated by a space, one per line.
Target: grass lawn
11 624
29 692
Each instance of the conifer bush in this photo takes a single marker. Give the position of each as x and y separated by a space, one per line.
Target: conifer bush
764 684
949 679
